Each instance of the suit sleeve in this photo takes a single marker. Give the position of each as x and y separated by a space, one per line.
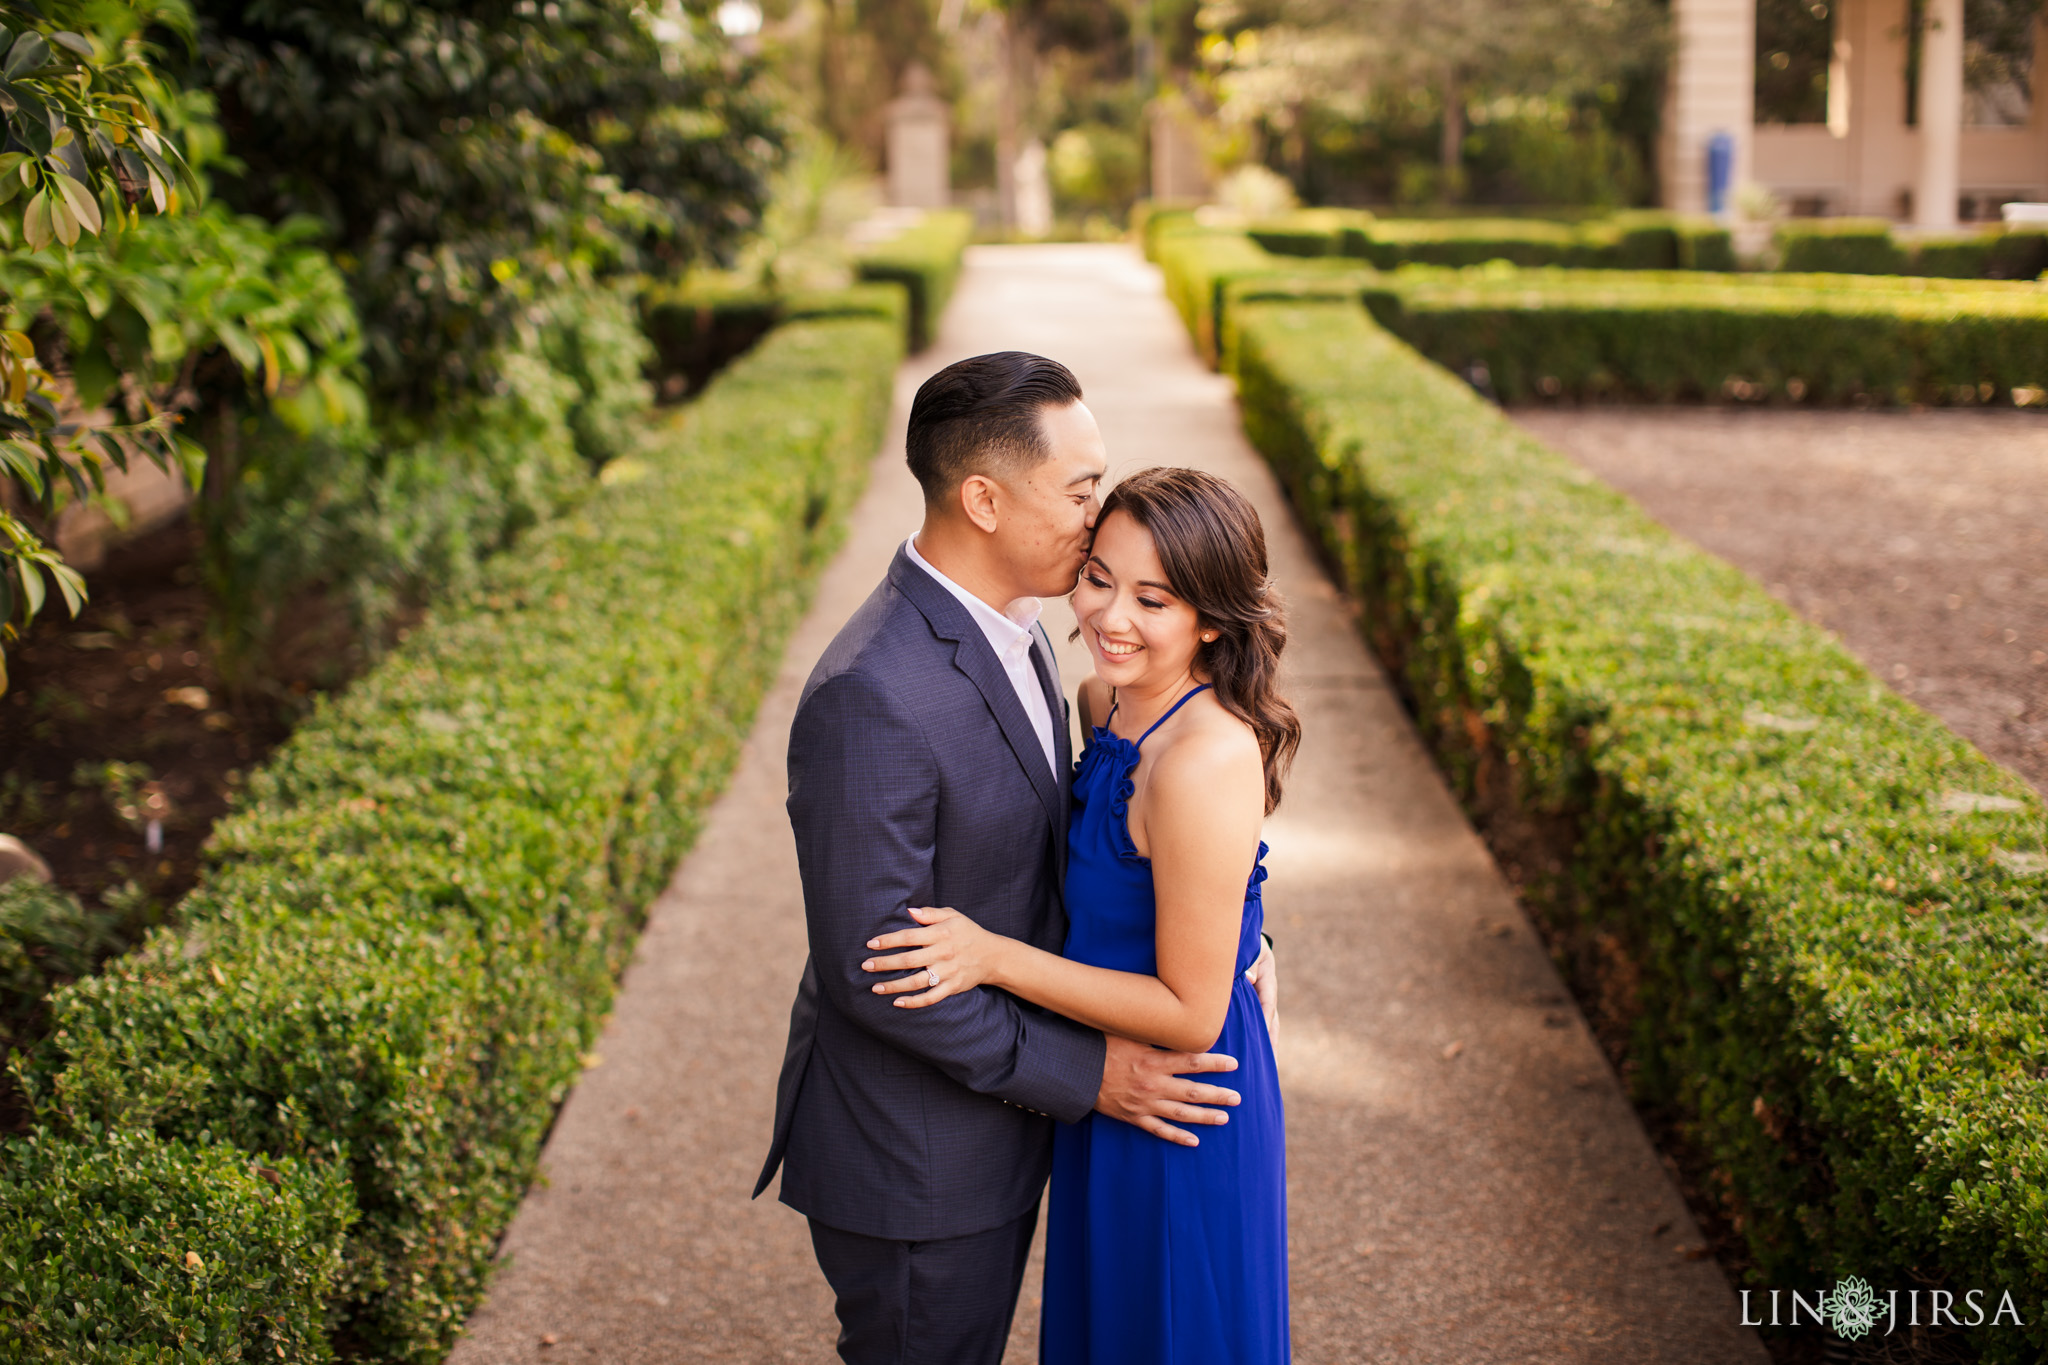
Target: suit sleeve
863 800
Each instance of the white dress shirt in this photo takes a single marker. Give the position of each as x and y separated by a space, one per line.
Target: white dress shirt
1009 635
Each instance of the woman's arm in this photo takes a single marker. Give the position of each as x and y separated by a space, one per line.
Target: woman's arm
1203 806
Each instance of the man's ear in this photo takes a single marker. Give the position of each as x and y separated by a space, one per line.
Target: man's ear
978 501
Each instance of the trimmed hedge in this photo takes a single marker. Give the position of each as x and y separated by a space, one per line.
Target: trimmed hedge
413 922
1840 246
1999 254
1830 339
699 328
1310 232
925 260
1200 264
135 1251
1866 246
1823 910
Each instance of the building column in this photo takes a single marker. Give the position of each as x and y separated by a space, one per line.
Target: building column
1940 115
1712 90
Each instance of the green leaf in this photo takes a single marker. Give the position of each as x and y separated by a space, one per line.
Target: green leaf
62 218
36 224
29 53
70 583
83 206
31 588
76 43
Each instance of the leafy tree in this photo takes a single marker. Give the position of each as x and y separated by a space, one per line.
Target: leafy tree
455 147
1278 61
115 281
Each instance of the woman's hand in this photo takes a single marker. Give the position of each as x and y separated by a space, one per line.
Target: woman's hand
956 954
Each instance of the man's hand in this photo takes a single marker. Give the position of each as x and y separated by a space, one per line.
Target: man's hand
1265 978
1142 1085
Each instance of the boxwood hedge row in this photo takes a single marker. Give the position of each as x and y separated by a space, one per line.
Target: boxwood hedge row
1823 339
1656 335
412 925
1866 246
925 260
1823 911
1636 240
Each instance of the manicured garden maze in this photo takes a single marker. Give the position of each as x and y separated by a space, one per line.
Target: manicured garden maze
299 1122
1831 907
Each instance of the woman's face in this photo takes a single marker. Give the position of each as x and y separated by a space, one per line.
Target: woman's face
1140 633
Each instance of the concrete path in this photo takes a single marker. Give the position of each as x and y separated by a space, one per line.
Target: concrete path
1467 1182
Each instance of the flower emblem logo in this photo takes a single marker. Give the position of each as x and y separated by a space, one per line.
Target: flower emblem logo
1852 1307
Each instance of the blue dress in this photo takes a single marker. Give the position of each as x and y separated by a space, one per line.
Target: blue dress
1158 1254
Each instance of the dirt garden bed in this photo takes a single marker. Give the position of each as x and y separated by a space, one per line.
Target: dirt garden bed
1919 538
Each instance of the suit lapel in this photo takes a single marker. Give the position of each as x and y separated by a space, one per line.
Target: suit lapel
973 656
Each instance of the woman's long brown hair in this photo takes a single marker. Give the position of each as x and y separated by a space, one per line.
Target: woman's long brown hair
1213 548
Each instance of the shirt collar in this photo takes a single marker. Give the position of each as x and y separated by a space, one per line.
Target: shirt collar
1008 629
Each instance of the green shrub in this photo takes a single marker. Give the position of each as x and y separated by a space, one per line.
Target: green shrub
1821 908
2019 254
925 260
1956 258
1840 246
384 517
127 1250
1996 254
412 923
1199 264
1606 335
46 937
1310 232
1704 245
1466 241
1640 240
698 329
1150 219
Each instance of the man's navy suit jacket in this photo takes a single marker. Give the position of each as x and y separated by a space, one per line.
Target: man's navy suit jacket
915 778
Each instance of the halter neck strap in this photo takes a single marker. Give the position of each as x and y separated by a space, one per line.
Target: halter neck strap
1185 699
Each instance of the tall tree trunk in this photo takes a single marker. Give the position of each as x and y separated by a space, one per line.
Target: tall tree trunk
1451 152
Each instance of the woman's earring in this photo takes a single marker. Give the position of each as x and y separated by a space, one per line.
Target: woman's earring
1209 637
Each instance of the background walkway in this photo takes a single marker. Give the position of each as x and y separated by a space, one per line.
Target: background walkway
1467 1182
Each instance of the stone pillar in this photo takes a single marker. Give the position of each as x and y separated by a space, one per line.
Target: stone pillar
1712 90
1941 115
1178 172
919 145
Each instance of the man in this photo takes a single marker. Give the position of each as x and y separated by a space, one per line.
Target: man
928 765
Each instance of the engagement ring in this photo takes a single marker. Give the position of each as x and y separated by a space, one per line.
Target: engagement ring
931 974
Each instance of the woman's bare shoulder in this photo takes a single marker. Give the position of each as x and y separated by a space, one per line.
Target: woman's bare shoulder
1210 745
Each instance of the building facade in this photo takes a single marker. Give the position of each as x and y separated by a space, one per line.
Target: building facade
1955 157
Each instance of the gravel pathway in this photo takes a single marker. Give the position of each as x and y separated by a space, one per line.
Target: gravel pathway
1920 538
1467 1182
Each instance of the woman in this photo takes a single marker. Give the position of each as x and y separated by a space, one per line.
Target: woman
1157 1252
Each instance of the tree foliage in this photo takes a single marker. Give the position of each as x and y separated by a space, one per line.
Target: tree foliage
115 279
1282 66
466 152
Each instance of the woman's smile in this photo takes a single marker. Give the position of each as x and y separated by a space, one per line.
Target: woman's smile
1116 649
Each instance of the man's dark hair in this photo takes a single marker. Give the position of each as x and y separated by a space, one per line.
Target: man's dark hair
980 416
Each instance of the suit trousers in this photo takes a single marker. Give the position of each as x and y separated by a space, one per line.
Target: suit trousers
942 1302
